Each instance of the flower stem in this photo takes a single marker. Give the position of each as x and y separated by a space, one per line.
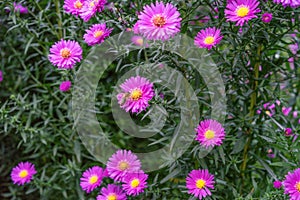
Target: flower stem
251 115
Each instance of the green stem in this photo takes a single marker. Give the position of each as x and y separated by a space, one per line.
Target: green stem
251 114
59 21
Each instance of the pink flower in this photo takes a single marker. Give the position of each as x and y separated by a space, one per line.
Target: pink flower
91 178
19 8
241 11
112 192
1 76
23 173
65 86
73 6
122 163
96 34
208 38
159 21
292 184
135 183
295 114
286 111
266 17
136 93
210 133
90 7
198 182
277 184
271 154
288 132
65 54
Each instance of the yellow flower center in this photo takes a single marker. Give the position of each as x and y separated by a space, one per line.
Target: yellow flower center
92 4
268 113
134 183
200 183
209 134
298 186
93 179
242 11
112 197
140 41
136 94
123 165
209 40
23 173
159 21
98 34
65 53
78 4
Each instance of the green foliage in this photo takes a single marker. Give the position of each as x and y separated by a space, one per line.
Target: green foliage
36 122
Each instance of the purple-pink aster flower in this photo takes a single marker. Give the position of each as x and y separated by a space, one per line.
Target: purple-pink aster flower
136 93
73 6
65 86
19 8
91 178
135 183
1 76
210 133
159 21
23 173
286 111
90 7
295 114
277 184
241 11
288 132
292 184
96 34
65 54
199 182
112 192
208 38
291 3
121 163
266 17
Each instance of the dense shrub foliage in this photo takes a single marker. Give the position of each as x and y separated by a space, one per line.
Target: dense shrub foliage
258 59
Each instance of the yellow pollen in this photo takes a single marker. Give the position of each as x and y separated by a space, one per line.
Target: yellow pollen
159 21
92 4
268 113
65 53
23 173
209 134
242 11
136 94
140 41
200 183
298 186
123 165
134 183
112 197
78 4
209 40
98 34
93 179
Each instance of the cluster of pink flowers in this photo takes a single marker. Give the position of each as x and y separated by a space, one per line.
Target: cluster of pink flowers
123 167
290 3
86 9
65 54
